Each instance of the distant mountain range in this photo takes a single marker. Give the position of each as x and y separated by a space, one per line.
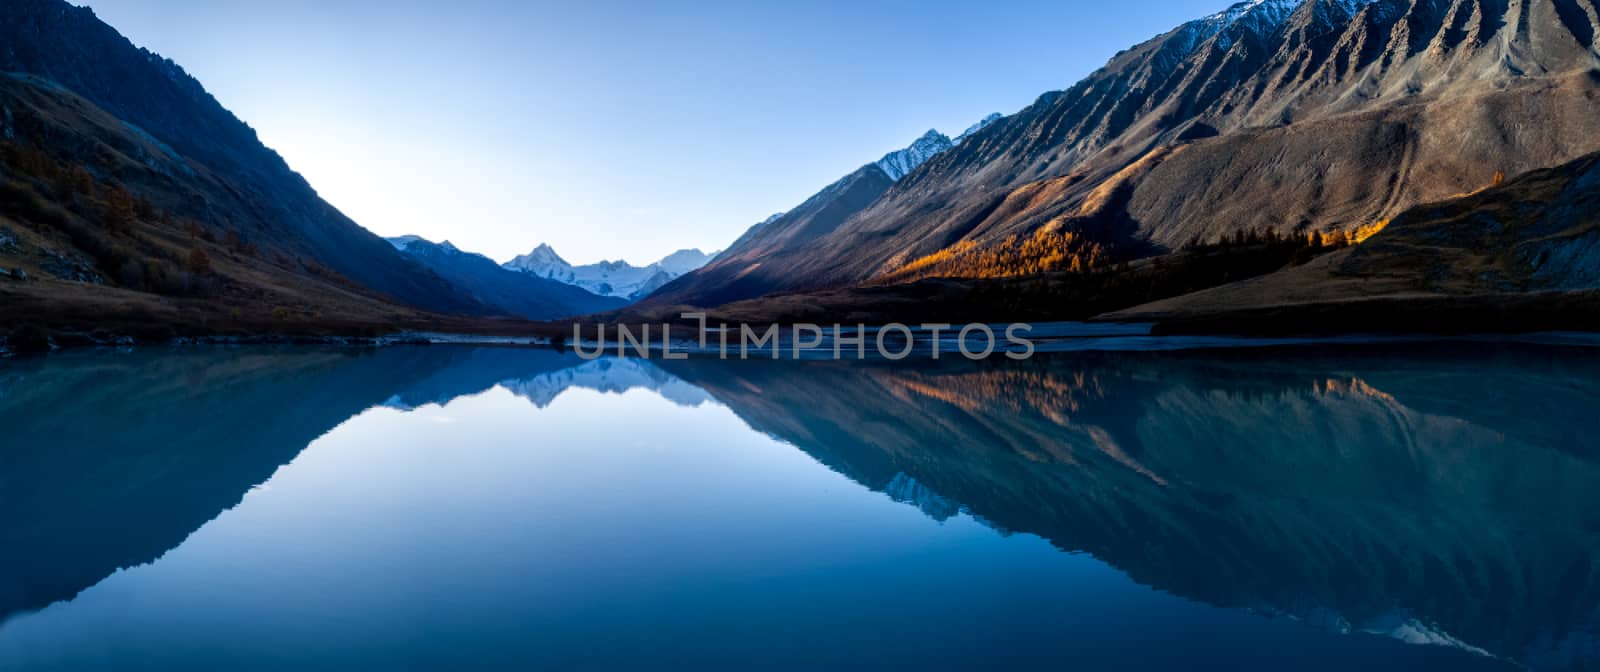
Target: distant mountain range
515 293
618 279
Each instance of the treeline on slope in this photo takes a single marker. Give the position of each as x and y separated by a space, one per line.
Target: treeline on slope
103 220
84 258
1047 296
1057 250
133 243
1047 250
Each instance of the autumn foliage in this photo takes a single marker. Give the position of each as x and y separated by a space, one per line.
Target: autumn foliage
1046 251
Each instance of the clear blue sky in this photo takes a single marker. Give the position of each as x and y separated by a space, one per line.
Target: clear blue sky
615 130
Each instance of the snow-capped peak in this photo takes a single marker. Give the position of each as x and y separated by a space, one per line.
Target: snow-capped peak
1239 10
982 123
402 242
407 243
683 261
542 261
897 164
609 278
1258 16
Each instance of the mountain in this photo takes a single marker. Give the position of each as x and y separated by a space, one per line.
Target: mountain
176 147
606 375
683 261
1475 262
896 164
514 293
1294 116
618 279
543 262
980 125
737 272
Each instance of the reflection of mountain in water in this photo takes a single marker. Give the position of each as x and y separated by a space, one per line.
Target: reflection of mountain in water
538 376
611 376
1437 497
109 460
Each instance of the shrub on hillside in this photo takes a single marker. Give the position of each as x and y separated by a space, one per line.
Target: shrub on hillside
20 200
120 207
197 261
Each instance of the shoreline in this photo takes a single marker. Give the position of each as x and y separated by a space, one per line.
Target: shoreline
1050 338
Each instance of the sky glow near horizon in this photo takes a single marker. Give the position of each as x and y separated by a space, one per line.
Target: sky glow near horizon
615 130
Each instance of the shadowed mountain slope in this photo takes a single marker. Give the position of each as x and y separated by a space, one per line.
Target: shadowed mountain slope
509 291
195 158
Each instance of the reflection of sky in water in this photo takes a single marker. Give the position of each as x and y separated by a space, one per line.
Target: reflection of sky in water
600 523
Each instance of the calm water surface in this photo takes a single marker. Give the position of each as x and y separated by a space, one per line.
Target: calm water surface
1378 507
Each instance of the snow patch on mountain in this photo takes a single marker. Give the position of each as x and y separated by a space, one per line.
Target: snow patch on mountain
683 261
1258 17
542 261
898 163
982 123
403 242
610 278
417 244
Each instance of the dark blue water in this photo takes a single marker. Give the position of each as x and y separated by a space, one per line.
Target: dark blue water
1405 507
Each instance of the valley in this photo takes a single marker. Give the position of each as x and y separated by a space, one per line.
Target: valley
1282 166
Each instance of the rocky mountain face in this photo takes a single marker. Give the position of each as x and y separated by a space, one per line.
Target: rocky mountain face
1289 115
736 273
1537 233
513 293
618 279
235 182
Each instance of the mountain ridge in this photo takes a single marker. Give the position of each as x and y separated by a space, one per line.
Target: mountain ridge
729 276
1289 115
617 278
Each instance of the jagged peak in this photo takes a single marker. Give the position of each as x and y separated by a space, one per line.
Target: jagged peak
898 163
982 123
542 259
417 244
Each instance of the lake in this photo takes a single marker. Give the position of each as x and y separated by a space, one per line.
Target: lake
1407 506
